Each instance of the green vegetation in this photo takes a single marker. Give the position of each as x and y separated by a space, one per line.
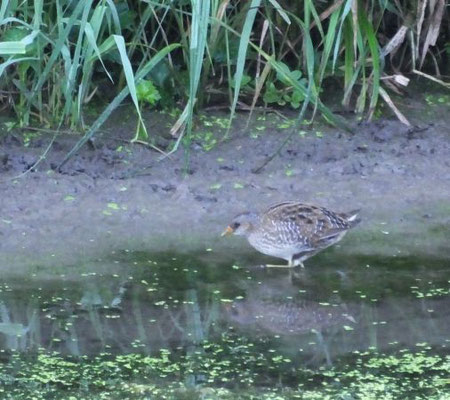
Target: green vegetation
58 60
231 369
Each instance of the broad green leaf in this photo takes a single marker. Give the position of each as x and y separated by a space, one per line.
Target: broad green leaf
146 91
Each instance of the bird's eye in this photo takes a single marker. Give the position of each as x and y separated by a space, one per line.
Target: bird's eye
235 225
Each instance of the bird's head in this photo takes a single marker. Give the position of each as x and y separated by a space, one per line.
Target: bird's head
242 224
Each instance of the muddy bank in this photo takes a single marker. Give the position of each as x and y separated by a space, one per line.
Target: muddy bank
113 196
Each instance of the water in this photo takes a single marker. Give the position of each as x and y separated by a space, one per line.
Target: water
324 317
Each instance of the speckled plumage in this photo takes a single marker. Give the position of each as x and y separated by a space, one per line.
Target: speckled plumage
292 230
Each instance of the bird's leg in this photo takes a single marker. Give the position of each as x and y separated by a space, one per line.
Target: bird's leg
297 259
298 262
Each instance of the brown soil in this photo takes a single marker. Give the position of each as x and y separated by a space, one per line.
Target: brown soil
104 199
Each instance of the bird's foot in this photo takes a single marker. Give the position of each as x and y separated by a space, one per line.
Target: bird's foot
280 266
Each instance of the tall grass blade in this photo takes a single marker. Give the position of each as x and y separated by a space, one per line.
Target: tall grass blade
141 134
240 62
350 75
197 46
310 60
3 9
280 11
92 30
76 63
12 48
374 51
11 61
13 20
316 17
115 16
62 37
329 41
38 11
345 12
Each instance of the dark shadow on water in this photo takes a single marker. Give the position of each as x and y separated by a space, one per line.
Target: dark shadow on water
144 302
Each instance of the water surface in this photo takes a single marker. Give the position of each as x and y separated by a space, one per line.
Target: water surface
322 317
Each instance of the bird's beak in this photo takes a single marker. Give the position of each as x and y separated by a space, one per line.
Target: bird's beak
227 231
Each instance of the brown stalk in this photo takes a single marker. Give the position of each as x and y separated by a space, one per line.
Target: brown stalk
433 30
421 6
396 41
390 103
259 79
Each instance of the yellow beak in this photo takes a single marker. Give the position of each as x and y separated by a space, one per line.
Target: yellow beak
227 231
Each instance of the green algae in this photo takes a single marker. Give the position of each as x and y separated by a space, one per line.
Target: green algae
233 368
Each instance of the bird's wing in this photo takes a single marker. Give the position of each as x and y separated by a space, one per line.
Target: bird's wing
313 222
282 221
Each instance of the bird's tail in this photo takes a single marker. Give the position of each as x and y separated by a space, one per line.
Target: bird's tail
352 217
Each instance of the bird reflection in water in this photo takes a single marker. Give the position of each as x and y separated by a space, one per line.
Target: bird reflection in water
289 317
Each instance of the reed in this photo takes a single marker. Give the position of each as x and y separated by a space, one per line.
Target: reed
56 58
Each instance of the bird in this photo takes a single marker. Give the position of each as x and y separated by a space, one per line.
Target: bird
292 230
